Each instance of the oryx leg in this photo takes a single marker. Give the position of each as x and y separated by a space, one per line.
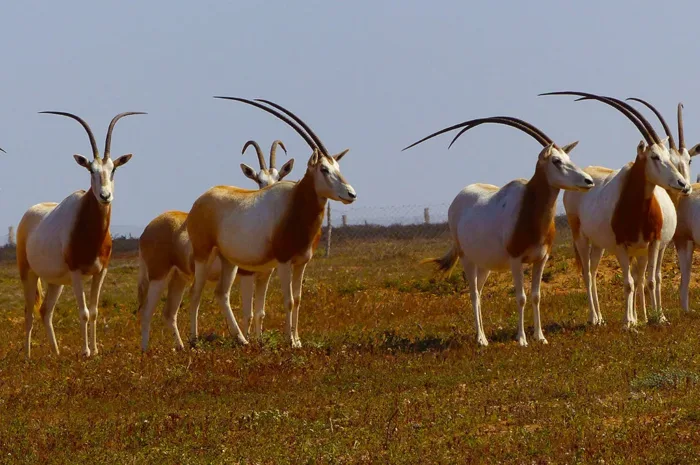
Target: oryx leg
537 270
53 292
95 288
685 262
223 297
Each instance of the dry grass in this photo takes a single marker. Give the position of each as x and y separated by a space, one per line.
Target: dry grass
389 372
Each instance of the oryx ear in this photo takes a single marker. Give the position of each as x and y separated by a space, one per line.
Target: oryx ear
569 147
249 172
341 155
286 169
546 152
664 141
641 147
314 158
694 150
82 161
122 160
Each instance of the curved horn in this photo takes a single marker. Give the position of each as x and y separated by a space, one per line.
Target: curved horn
93 143
667 130
261 157
108 139
629 111
299 131
505 120
306 127
273 152
681 136
540 136
1 150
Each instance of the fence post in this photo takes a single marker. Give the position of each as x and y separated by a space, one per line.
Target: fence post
329 229
426 215
11 235
345 220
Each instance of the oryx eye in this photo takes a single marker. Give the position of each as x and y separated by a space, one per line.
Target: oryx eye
324 170
655 157
557 162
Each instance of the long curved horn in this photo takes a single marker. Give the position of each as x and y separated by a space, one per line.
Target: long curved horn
273 152
108 139
306 127
681 136
505 120
261 157
93 143
538 134
629 111
299 131
667 130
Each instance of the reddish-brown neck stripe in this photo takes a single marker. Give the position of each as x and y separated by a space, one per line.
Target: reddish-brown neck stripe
637 215
535 223
90 239
301 223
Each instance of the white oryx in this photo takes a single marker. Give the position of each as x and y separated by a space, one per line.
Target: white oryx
680 157
499 228
259 230
67 242
688 228
165 259
629 213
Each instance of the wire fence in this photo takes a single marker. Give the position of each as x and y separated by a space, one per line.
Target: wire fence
343 225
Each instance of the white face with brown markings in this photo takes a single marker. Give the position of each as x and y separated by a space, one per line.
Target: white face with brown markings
562 173
660 169
328 180
267 177
102 175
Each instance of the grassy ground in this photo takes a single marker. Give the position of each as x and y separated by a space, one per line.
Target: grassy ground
389 372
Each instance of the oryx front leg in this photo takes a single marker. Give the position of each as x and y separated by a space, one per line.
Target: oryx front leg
285 271
247 288
297 281
639 270
596 253
262 280
223 297
516 267
537 270
657 288
95 288
685 262
83 313
629 321
583 249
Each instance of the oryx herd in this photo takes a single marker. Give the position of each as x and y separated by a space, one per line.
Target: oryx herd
634 212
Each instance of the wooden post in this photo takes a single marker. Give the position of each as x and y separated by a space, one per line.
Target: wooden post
11 235
329 229
426 216
345 220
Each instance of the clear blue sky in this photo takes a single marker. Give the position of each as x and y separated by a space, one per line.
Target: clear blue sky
369 75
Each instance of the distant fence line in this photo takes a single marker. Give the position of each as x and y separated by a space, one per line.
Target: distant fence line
342 225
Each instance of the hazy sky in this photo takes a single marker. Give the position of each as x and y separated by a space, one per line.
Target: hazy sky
369 75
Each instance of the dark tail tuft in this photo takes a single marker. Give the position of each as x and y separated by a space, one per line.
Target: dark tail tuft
447 262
